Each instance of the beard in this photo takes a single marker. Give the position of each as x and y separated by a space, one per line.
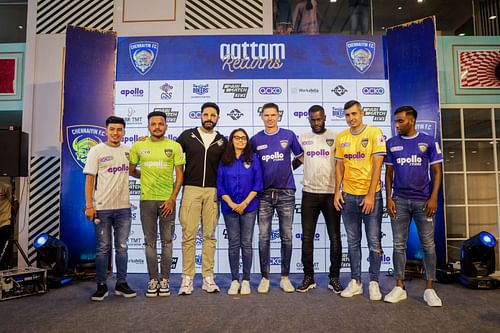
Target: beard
208 125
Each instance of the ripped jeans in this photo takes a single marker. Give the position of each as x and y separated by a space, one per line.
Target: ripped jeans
353 217
150 214
120 220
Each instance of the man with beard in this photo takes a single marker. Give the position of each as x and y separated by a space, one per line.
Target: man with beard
158 156
317 197
203 147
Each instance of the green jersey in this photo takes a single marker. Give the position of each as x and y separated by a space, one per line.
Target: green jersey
157 161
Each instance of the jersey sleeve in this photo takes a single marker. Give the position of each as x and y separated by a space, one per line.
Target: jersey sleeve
134 155
258 184
339 155
179 158
389 158
221 189
295 146
92 165
378 142
435 154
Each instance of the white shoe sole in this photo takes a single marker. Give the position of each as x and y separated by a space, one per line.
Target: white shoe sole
331 288
351 295
312 286
119 293
151 294
164 294
99 299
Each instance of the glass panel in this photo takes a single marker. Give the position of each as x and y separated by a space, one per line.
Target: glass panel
479 156
450 122
454 250
481 189
483 219
477 123
452 154
454 189
455 222
497 122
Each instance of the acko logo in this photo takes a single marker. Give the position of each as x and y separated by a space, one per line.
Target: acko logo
373 91
270 90
301 114
318 153
195 114
413 160
355 156
274 261
136 92
339 90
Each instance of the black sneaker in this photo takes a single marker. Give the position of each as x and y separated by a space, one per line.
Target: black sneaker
124 290
164 289
307 283
334 285
101 293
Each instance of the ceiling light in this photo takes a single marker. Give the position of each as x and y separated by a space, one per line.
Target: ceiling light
399 7
333 0
20 27
420 1
462 34
474 151
492 17
382 27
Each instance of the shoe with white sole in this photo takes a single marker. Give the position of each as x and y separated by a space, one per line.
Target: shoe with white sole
396 295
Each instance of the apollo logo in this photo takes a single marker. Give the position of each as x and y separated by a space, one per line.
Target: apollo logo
318 153
413 160
356 156
270 90
121 168
136 92
276 156
373 91
301 114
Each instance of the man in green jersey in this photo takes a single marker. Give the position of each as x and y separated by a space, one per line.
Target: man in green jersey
158 156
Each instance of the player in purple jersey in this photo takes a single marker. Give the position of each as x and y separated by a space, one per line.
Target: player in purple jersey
274 146
411 194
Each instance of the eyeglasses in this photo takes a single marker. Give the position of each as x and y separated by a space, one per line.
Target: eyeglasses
240 138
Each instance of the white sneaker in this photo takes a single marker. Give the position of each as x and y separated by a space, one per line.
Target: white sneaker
374 291
432 298
209 285
396 295
186 286
286 285
234 288
263 286
353 288
245 288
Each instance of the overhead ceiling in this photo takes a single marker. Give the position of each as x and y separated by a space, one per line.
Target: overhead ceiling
450 15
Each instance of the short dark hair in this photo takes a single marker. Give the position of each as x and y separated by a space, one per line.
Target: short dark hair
271 106
115 120
316 108
210 105
408 110
351 103
157 113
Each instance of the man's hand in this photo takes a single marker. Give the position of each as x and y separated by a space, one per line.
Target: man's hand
90 213
391 207
167 207
368 204
431 206
338 201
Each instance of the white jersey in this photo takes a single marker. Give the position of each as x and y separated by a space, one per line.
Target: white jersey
319 161
110 165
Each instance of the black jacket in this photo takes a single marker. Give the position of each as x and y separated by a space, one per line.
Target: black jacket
201 165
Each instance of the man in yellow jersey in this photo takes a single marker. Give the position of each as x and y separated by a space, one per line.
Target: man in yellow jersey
359 151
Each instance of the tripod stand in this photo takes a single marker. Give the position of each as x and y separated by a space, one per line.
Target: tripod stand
12 240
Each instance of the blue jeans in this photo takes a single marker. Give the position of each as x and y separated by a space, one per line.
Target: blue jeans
120 220
407 209
240 233
283 201
150 214
353 217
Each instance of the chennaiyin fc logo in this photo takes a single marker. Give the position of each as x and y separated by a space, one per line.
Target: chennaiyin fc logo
80 138
361 54
143 55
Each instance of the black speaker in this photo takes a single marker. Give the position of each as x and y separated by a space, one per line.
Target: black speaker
14 152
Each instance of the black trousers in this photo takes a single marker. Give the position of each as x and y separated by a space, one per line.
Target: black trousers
4 237
312 205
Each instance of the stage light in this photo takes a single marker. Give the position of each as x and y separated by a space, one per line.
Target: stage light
477 261
52 254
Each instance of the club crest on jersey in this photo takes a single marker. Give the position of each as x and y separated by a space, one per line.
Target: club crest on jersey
422 147
284 143
80 138
143 55
330 142
364 142
168 152
361 54
246 165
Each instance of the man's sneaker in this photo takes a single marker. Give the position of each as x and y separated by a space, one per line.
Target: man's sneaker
152 288
432 298
234 288
209 285
286 285
186 286
396 295
101 292
353 288
307 283
124 290
334 285
263 286
374 291
245 288
164 289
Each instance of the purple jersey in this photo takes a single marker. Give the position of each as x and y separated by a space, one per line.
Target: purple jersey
274 151
411 158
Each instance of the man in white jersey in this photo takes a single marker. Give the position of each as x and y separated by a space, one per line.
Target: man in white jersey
107 203
317 197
